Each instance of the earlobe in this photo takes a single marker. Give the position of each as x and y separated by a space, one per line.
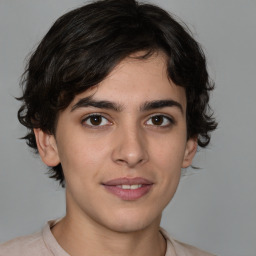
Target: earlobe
190 152
47 147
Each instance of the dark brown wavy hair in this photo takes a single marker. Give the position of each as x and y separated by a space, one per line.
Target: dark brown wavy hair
84 45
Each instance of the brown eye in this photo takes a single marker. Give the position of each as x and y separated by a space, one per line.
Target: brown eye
160 120
95 120
157 120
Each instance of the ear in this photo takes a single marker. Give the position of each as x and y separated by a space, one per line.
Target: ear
190 152
47 147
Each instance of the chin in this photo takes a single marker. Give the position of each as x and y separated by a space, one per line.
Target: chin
128 227
132 222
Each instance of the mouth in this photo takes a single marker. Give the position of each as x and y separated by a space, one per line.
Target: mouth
128 189
134 186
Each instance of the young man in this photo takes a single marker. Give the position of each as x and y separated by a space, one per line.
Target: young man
115 101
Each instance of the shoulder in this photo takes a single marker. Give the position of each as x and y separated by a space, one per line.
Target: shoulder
182 249
40 244
188 250
26 245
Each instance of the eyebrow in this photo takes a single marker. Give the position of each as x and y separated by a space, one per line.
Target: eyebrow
105 104
156 104
89 102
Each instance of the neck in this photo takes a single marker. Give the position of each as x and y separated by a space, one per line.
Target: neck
79 236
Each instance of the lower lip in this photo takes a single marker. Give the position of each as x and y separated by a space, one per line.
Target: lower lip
129 194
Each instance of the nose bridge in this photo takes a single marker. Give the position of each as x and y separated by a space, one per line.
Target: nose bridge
131 146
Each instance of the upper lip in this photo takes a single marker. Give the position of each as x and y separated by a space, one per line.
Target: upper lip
128 181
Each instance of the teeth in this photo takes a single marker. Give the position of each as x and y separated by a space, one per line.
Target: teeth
135 186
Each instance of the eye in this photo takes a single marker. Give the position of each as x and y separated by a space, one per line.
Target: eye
95 120
160 120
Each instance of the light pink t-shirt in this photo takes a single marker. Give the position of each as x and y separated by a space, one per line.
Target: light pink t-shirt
44 244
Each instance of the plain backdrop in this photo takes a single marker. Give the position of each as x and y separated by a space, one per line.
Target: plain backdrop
215 207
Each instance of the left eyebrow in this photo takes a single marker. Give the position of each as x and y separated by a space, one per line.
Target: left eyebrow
156 104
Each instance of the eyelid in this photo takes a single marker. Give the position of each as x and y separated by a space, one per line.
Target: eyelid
168 117
103 116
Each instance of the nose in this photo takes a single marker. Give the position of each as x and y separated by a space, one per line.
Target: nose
130 147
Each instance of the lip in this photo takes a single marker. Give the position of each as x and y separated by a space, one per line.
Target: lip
112 186
127 181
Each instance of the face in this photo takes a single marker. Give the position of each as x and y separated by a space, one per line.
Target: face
122 145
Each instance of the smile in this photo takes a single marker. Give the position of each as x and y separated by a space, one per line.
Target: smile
130 186
128 189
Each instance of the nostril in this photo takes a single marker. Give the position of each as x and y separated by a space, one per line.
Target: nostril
130 162
131 148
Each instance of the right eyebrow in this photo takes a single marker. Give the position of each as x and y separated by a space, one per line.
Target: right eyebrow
104 104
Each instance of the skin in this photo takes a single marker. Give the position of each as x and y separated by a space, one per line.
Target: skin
126 142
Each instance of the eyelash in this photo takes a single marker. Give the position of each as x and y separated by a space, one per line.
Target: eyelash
165 119
95 115
109 123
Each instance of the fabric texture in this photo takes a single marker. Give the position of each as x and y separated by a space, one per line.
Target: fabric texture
44 244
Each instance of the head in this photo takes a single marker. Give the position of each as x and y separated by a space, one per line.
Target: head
85 45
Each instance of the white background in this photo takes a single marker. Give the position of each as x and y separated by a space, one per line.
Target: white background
215 207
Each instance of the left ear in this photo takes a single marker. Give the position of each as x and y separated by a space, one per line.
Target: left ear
190 152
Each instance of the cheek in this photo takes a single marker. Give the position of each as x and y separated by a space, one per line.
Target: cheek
82 155
168 152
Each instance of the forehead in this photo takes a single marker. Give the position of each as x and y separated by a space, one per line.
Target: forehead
135 80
